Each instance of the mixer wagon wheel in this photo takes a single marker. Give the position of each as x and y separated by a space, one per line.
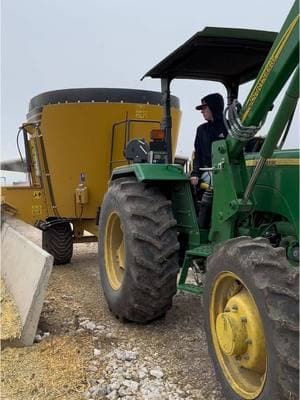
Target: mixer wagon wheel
138 251
251 312
58 241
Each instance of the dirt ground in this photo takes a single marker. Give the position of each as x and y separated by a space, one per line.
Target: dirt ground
86 353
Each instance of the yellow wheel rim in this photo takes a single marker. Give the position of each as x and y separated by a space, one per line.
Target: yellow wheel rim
238 335
114 251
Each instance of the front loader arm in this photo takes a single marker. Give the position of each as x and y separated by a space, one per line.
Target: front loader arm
280 63
233 191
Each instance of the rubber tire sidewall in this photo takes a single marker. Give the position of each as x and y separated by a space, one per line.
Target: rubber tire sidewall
115 298
50 236
269 389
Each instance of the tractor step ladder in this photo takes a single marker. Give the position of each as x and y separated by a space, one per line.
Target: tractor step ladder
201 251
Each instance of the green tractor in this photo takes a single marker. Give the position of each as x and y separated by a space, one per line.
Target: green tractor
246 252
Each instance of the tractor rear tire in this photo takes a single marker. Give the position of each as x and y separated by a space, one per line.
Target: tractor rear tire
252 320
138 251
58 241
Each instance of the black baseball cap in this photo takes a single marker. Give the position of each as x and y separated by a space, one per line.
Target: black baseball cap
202 105
215 103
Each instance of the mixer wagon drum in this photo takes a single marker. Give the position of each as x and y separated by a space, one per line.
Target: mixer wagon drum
74 138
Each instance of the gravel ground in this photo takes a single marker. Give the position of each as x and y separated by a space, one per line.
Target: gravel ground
167 359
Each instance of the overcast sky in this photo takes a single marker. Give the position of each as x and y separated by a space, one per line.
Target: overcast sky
58 44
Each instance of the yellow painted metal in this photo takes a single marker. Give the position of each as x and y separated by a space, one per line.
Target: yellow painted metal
74 139
275 161
29 202
114 251
78 139
238 335
231 334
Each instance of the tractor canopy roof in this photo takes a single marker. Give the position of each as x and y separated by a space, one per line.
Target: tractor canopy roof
229 56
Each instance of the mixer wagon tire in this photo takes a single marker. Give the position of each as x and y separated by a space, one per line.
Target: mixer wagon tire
58 241
138 251
252 318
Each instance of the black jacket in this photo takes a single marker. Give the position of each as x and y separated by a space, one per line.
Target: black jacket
208 133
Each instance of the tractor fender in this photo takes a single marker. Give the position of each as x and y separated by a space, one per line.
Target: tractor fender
50 221
151 172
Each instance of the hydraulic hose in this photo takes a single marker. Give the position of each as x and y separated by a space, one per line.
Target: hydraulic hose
285 111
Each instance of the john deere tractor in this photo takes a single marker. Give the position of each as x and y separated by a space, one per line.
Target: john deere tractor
240 234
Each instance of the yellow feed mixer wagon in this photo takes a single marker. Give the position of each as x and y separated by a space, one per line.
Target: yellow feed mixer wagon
73 139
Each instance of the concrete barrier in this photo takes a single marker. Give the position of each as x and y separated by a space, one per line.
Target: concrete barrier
25 268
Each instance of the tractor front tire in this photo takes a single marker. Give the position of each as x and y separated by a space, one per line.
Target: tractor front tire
252 320
58 241
138 251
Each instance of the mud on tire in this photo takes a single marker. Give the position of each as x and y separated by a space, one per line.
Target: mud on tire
273 284
149 277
